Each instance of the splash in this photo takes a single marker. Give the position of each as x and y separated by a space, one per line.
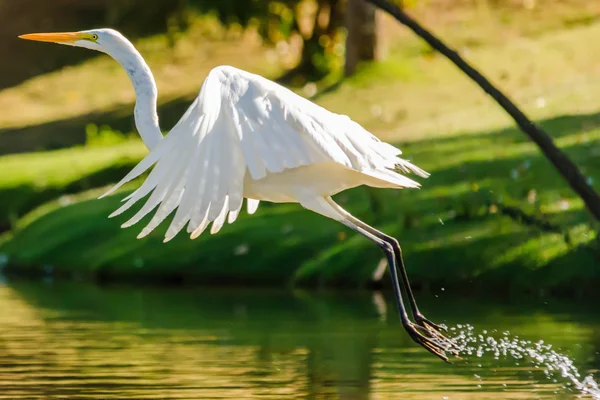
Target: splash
540 354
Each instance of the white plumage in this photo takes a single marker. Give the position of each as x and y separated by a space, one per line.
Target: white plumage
247 137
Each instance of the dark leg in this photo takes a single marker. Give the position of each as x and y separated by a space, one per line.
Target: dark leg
435 329
419 318
416 332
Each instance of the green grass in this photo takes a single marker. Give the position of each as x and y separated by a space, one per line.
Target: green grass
34 178
450 230
448 234
409 96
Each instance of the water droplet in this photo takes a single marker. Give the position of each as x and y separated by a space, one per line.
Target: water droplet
538 355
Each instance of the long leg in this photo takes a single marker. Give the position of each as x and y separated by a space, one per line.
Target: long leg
436 344
415 331
419 318
391 250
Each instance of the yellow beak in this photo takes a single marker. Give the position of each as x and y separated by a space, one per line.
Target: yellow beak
62 37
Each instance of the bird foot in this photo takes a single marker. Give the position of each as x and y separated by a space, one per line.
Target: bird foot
431 336
423 337
427 324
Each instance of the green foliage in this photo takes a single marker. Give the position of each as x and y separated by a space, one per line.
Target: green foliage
233 11
105 136
279 21
275 20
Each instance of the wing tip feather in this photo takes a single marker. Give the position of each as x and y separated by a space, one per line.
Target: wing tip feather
168 238
107 193
143 234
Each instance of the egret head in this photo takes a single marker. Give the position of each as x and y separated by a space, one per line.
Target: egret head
104 40
122 50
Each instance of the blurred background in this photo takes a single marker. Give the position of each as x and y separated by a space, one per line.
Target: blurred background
494 214
495 237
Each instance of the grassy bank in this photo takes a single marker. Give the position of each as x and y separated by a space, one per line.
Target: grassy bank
33 179
459 229
452 230
410 96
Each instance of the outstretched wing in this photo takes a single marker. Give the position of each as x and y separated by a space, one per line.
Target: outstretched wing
242 123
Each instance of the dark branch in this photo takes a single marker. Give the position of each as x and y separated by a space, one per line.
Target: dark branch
559 159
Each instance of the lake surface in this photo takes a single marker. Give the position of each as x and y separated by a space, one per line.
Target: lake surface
74 341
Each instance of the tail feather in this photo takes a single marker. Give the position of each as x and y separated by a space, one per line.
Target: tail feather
407 167
393 179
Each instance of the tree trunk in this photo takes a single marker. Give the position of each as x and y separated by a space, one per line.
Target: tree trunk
311 45
558 158
361 42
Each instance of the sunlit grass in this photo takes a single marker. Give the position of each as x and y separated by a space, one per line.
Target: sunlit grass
410 98
449 230
61 167
28 180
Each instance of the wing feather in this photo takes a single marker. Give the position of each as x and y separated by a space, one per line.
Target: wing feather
237 172
202 226
154 178
185 209
240 124
160 150
233 214
256 166
174 194
158 194
220 220
218 182
202 205
252 205
169 199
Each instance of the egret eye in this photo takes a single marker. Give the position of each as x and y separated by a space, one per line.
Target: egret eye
94 37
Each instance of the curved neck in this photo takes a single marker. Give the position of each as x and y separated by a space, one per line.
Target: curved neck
146 119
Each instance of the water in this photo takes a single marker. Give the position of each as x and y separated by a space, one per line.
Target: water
72 341
540 355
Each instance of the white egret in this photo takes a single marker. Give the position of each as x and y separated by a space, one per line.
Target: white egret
247 137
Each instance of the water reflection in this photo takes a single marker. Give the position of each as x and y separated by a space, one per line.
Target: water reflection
75 341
